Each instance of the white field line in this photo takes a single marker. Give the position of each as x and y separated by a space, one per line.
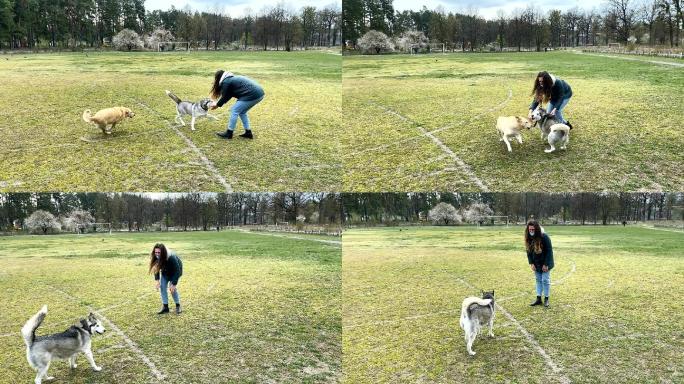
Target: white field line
573 268
465 168
450 126
207 163
557 369
335 242
211 286
131 344
633 59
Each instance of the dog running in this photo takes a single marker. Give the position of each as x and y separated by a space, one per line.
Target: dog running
41 350
510 127
107 116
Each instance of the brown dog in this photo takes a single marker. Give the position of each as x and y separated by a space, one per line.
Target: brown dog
106 117
510 127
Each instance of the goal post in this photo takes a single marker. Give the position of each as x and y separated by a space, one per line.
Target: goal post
437 48
171 46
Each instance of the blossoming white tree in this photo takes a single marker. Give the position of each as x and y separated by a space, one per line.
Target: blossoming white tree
127 39
42 221
79 220
414 40
476 211
444 213
375 41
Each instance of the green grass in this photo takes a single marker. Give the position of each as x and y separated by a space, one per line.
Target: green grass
44 95
256 308
615 319
627 117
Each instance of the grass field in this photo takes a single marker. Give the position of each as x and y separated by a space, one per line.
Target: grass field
615 314
256 308
427 122
47 146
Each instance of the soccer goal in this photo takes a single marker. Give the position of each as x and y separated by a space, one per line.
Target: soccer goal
171 46
101 227
437 48
490 221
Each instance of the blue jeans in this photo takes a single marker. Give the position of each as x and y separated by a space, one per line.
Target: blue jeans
543 282
559 109
240 109
164 293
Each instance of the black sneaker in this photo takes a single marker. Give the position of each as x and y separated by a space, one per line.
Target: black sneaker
247 135
546 302
178 309
568 124
225 135
536 302
165 309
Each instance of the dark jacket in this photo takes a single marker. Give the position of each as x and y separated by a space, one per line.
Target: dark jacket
560 90
173 269
545 257
239 87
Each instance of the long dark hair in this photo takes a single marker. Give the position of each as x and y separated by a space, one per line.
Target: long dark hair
215 88
156 265
542 93
533 242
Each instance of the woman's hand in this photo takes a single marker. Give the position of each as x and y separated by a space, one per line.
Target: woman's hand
533 268
553 112
172 288
158 284
212 105
529 114
545 268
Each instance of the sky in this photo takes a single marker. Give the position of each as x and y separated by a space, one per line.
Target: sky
489 8
234 8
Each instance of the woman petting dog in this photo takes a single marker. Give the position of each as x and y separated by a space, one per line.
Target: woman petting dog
540 258
167 268
554 91
248 94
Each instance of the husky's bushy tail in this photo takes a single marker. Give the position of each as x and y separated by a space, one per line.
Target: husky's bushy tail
28 331
561 129
87 116
467 303
173 97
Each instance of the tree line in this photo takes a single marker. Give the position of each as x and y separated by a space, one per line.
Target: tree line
649 22
31 24
183 211
579 208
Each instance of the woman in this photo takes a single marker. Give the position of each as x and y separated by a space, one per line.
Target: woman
167 268
554 91
540 258
248 94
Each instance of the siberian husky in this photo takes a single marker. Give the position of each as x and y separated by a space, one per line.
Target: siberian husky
475 313
40 350
196 110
